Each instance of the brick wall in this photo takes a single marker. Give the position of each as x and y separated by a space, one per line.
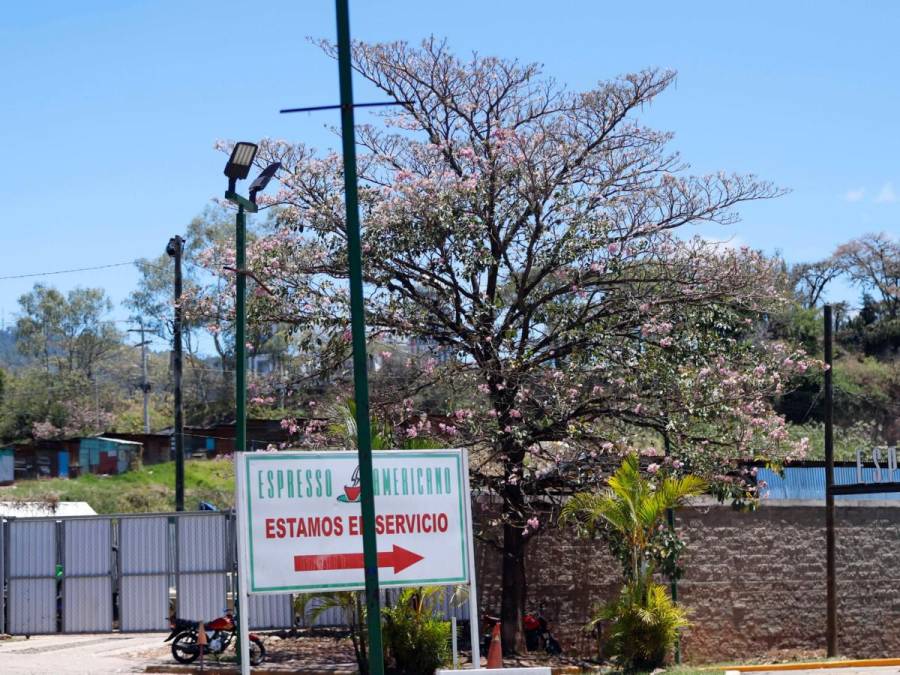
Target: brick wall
755 582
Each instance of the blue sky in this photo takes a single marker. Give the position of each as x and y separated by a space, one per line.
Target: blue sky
111 107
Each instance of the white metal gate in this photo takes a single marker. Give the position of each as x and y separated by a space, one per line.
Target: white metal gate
2 576
32 583
202 565
131 572
87 599
144 571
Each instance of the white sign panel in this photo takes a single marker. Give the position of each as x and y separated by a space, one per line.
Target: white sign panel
304 524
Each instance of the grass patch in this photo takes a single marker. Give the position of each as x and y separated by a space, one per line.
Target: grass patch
146 490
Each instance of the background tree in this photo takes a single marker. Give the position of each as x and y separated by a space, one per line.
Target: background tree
67 333
530 234
810 279
873 262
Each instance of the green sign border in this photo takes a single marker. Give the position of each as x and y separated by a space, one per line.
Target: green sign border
457 455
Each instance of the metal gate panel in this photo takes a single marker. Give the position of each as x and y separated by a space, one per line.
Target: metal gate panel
32 577
202 564
87 605
32 606
144 573
201 597
271 611
87 575
2 577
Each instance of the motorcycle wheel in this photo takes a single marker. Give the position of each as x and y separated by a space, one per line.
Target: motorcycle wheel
184 647
257 651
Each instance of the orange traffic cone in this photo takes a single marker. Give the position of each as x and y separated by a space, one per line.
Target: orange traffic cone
495 652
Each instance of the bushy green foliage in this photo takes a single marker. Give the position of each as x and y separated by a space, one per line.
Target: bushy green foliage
415 637
847 440
640 626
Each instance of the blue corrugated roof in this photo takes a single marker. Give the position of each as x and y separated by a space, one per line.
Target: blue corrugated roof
808 482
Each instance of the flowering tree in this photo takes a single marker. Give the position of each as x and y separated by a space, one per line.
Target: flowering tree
532 235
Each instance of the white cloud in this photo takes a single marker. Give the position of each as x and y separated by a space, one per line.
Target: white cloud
854 195
887 194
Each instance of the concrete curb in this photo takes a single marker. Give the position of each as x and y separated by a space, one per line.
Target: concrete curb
816 665
232 670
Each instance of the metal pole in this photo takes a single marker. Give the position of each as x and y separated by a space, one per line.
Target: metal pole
474 633
453 646
831 582
240 398
673 587
176 246
358 333
240 333
145 381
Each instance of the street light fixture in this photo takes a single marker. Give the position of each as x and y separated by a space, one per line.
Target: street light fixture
239 163
238 168
262 180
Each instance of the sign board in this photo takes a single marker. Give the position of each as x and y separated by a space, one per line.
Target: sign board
303 529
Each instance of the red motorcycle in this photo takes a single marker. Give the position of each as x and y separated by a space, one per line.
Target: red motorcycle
220 633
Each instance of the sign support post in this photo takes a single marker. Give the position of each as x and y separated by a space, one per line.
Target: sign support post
473 588
358 335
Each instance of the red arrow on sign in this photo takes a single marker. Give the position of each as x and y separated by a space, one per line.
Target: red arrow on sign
399 559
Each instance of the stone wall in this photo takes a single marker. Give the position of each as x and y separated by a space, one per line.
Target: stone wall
755 582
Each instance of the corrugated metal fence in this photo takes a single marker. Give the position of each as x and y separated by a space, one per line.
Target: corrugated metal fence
99 573
130 572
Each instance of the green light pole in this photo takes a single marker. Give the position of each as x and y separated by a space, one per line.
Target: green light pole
358 333
238 168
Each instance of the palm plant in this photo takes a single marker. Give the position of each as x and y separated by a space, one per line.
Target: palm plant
632 509
643 620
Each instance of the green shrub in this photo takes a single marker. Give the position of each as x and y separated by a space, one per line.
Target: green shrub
415 638
641 626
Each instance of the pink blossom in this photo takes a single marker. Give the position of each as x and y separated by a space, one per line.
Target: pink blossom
411 432
515 413
653 468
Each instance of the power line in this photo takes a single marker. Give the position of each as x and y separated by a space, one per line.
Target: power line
81 269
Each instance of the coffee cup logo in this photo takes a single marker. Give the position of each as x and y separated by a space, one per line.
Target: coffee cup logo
352 491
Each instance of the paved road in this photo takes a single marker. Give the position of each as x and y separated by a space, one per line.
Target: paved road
70 654
876 670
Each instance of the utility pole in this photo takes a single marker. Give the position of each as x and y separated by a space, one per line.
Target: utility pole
175 249
145 381
830 562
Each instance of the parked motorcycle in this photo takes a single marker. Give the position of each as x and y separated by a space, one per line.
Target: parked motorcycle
537 632
220 633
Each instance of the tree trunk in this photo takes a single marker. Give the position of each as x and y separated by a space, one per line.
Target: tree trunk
512 605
